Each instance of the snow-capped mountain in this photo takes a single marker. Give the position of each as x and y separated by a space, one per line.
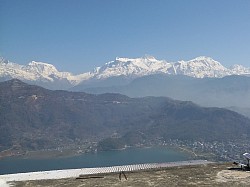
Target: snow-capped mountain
132 67
38 71
199 67
239 70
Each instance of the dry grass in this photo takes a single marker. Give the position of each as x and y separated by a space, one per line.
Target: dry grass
200 175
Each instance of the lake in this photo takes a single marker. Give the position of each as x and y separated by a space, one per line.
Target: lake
109 158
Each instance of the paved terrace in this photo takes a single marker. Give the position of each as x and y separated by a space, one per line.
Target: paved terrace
70 173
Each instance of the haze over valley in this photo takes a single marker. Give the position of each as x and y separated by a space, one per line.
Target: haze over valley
202 80
85 122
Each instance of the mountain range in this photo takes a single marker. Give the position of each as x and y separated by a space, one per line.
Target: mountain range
34 118
229 91
119 71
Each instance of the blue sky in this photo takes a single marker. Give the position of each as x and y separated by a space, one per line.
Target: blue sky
78 35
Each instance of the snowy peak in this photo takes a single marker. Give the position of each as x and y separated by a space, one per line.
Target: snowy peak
41 68
41 65
203 58
146 58
205 61
132 67
239 70
201 67
40 72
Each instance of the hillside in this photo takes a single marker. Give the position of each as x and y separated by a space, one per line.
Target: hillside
34 118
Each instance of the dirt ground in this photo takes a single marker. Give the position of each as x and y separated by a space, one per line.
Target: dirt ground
199 175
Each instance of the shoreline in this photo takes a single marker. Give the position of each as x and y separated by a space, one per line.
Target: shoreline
67 153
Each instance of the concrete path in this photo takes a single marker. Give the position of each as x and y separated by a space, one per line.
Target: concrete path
69 173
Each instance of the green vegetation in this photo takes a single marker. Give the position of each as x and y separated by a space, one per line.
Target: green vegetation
34 118
111 144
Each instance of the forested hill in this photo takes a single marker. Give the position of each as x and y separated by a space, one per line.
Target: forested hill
34 118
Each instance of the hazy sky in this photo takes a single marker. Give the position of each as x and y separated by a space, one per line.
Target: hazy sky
78 35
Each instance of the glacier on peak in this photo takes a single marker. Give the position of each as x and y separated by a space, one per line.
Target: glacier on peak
203 58
239 70
42 67
132 67
198 67
201 67
144 58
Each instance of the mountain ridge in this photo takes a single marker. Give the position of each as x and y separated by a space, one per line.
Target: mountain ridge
47 75
229 91
34 118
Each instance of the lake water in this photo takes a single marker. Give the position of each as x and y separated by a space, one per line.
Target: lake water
110 158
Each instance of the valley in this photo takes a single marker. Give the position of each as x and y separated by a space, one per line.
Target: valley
121 88
63 123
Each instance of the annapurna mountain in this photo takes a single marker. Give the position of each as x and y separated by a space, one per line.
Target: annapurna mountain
48 76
